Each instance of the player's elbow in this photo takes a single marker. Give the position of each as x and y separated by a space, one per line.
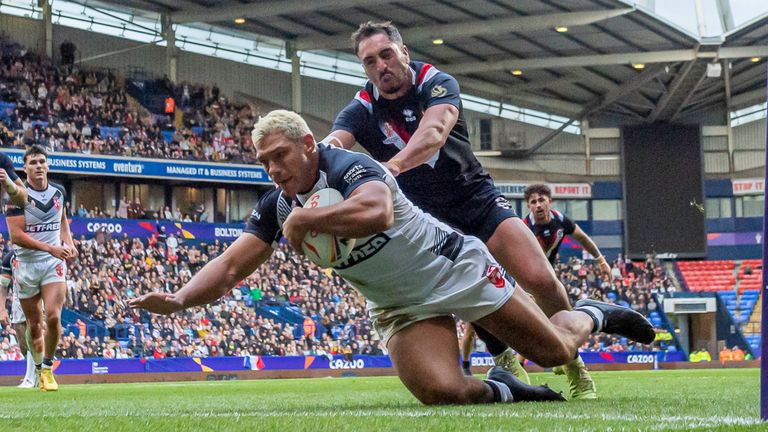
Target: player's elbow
381 218
435 135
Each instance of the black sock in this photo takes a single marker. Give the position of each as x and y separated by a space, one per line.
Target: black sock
492 344
465 364
48 362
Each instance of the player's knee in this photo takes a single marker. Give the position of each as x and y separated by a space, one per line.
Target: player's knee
539 280
53 321
36 329
445 392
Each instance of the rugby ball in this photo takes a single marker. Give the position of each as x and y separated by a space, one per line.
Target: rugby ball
323 249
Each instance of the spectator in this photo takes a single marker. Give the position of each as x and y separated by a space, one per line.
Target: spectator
82 212
123 208
136 211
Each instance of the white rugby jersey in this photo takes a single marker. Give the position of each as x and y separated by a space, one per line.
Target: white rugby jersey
42 219
402 265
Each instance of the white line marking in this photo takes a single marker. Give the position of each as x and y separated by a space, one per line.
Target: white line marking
649 421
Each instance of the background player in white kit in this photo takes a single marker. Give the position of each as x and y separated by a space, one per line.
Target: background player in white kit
42 241
17 318
414 271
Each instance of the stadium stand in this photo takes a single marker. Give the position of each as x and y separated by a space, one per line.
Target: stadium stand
266 313
89 111
737 284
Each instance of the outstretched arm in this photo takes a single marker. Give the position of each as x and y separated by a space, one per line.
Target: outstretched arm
592 248
241 259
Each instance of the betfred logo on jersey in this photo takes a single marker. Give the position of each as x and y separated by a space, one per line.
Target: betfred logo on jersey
35 228
495 276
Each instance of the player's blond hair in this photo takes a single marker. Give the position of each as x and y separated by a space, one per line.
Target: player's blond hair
288 123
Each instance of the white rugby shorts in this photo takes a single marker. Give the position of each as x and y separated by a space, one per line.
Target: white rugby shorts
29 277
477 294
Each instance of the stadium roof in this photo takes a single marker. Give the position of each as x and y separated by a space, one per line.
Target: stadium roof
615 59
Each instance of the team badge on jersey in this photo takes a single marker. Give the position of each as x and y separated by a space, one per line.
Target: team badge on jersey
438 91
495 276
59 270
56 203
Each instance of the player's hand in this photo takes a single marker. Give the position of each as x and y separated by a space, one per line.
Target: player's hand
604 267
71 250
157 302
3 176
60 252
393 166
4 320
294 228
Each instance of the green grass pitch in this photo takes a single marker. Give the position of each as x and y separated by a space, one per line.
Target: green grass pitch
714 399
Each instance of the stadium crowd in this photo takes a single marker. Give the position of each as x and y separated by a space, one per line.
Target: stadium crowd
632 285
111 270
69 109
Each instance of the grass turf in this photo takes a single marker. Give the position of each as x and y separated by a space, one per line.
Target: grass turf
713 399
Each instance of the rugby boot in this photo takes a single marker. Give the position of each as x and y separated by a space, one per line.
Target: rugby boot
580 384
618 320
508 360
47 381
522 392
27 383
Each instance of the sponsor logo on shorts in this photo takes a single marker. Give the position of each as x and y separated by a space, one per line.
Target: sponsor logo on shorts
495 276
59 270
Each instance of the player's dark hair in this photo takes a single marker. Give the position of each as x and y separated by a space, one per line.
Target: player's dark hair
371 28
540 189
35 149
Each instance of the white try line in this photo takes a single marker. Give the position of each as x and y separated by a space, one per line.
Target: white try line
650 421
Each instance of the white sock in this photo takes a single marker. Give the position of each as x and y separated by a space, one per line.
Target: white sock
596 315
30 376
502 394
